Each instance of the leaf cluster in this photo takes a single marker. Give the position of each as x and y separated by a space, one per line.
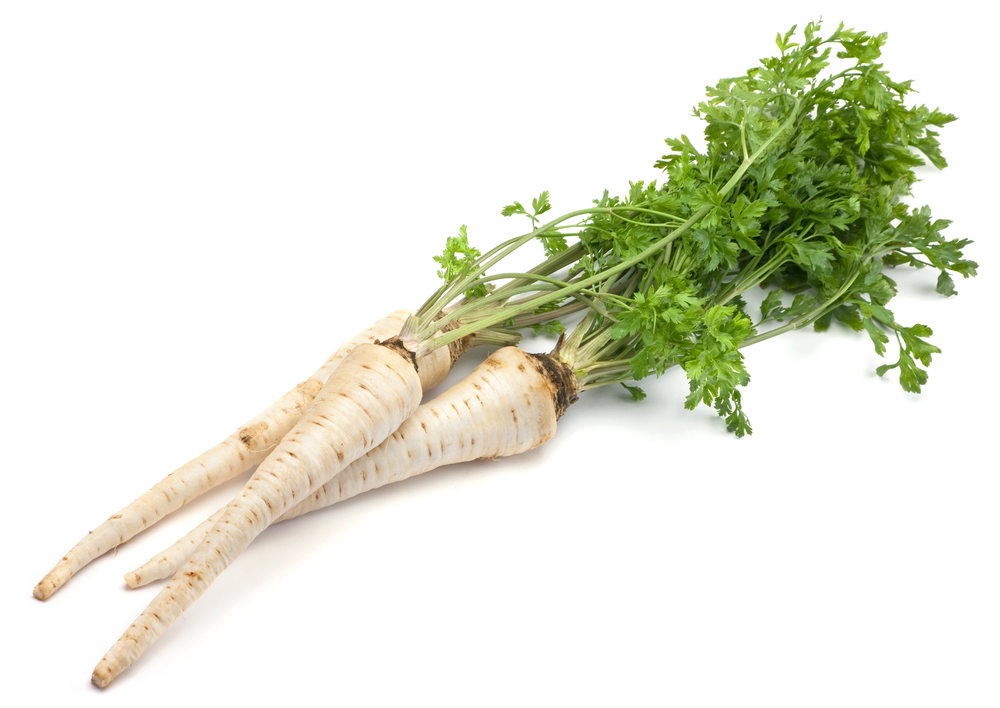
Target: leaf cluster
799 190
457 259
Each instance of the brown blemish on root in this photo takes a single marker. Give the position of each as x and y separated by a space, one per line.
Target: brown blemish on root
253 435
565 386
494 363
396 344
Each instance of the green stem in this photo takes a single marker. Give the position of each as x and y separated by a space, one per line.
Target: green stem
427 345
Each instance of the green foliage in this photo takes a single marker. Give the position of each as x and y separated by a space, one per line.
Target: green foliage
550 327
637 393
552 241
457 259
799 189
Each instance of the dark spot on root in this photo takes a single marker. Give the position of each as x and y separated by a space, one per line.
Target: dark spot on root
565 386
424 426
340 456
292 454
396 344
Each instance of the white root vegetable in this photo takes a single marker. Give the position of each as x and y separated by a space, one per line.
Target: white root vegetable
245 448
507 405
376 386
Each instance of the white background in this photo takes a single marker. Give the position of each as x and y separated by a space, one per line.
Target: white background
200 200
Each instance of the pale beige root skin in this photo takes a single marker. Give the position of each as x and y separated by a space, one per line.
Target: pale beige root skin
245 448
504 407
367 397
165 564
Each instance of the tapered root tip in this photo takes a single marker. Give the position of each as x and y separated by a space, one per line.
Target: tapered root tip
133 580
55 579
104 673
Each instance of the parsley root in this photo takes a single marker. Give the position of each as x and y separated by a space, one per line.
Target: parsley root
508 404
245 448
798 194
383 390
